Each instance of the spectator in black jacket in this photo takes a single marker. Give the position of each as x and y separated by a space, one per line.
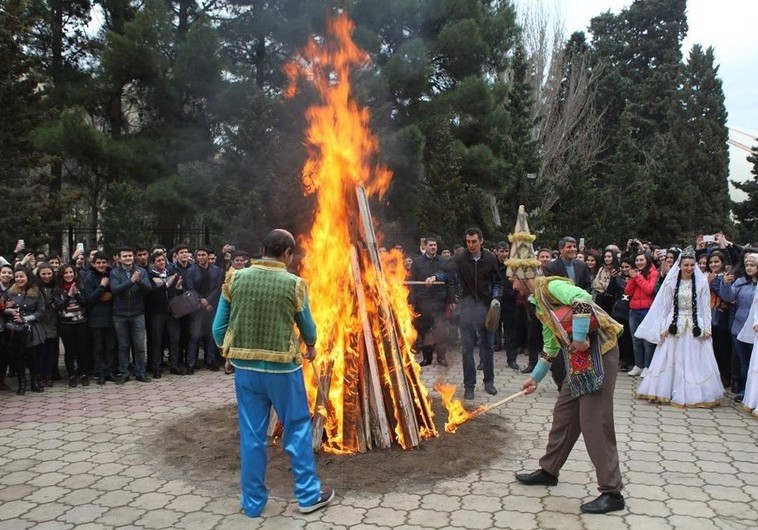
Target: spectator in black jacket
430 301
568 266
97 292
480 288
159 318
129 285
205 279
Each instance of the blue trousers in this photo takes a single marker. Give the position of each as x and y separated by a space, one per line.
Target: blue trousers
256 393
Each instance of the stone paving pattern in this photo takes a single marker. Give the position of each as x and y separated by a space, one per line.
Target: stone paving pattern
70 458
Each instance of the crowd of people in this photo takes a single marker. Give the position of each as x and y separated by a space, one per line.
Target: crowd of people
116 316
688 326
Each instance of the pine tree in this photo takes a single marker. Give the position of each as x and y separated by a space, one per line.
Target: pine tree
746 212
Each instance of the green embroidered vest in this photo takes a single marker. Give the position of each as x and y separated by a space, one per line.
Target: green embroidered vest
264 299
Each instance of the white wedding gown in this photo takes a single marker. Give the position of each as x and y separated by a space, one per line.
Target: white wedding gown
683 372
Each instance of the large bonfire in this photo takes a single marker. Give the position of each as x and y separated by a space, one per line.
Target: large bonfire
365 388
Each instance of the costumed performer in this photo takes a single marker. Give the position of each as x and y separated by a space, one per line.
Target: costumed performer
254 325
585 401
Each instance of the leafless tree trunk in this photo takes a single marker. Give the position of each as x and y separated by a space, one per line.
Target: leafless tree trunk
568 125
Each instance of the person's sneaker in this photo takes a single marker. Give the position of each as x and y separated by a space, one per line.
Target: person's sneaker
327 496
490 388
468 394
634 371
644 373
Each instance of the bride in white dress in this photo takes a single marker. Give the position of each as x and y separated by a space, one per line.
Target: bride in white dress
683 372
749 334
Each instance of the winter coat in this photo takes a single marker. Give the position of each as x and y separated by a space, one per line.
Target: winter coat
641 290
99 310
741 293
31 303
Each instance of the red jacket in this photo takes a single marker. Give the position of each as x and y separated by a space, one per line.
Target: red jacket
641 290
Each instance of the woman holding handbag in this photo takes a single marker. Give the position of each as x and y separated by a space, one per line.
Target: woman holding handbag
22 329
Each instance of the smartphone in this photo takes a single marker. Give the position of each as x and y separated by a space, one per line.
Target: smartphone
80 247
710 238
581 242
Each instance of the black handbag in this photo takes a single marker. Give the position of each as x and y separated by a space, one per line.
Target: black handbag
15 333
620 310
719 317
184 304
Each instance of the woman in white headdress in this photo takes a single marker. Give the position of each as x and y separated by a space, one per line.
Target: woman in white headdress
683 372
749 334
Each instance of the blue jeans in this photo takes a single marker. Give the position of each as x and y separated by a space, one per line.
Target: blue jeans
471 325
643 350
201 322
256 393
130 333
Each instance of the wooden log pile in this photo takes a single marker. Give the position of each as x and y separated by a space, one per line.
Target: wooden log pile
385 400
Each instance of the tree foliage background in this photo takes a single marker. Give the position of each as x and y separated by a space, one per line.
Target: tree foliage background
170 113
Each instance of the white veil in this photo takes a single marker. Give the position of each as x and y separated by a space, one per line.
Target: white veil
658 318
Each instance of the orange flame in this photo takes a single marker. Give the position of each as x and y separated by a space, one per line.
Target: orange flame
342 154
456 414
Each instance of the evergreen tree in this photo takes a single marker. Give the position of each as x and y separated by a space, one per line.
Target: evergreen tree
746 212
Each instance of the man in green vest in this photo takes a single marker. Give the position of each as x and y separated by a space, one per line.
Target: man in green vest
254 327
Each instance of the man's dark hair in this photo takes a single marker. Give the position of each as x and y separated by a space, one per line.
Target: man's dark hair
156 255
567 239
180 246
238 253
119 250
203 249
474 231
277 242
100 255
427 239
141 248
502 244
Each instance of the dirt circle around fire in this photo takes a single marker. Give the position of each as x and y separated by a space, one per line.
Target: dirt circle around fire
203 448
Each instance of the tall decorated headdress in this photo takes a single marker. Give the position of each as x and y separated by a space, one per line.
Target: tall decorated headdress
523 262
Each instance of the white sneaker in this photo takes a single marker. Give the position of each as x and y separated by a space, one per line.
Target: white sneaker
634 371
644 373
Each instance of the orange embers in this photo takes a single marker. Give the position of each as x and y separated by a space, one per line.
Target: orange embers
456 414
358 312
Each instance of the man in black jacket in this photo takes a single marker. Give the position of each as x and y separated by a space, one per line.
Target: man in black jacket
480 288
430 300
567 266
129 285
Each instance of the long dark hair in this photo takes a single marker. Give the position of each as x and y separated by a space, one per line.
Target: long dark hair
696 331
59 278
649 259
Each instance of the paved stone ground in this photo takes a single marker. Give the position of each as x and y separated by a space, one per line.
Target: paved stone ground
69 458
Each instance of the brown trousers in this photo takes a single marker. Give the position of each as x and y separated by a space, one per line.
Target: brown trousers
590 415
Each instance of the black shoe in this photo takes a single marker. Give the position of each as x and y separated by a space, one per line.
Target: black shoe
468 394
190 370
425 362
156 375
480 366
100 380
327 496
84 380
529 369
178 371
122 379
490 389
537 478
72 381
513 365
142 378
607 502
